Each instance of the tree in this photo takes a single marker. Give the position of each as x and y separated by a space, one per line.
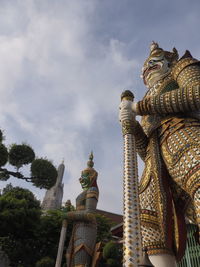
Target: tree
112 253
20 216
103 228
28 236
18 207
42 172
45 262
48 233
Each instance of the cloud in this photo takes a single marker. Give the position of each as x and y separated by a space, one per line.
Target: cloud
61 87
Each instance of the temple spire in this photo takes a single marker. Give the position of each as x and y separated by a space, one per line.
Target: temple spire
53 196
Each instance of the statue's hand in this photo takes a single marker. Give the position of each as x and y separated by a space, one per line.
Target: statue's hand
126 111
145 105
147 101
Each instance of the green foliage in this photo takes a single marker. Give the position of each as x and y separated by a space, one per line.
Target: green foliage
49 232
43 172
4 176
18 193
112 263
18 210
3 155
8 188
1 136
103 228
27 235
46 262
21 252
20 155
110 250
20 216
112 253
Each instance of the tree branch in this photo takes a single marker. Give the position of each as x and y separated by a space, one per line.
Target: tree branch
18 175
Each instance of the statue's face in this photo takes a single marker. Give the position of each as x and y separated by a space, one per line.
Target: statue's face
154 69
85 180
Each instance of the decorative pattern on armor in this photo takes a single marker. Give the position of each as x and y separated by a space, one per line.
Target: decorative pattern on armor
152 122
83 239
181 153
180 100
146 176
182 64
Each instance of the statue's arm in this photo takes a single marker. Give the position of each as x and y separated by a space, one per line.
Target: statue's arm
80 215
86 215
179 100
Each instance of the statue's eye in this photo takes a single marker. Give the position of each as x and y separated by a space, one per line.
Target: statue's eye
151 61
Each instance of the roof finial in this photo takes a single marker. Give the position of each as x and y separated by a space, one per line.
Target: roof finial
90 163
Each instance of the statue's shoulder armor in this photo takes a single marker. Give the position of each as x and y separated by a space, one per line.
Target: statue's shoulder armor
182 64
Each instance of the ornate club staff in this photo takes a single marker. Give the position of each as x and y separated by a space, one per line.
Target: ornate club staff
61 243
62 235
132 247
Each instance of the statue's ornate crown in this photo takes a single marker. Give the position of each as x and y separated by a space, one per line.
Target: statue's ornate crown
155 50
90 163
90 170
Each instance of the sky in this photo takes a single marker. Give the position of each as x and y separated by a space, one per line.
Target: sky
63 67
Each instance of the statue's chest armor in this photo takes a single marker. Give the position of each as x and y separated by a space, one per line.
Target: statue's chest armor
151 122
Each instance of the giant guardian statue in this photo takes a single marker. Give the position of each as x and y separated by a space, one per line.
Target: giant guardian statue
168 141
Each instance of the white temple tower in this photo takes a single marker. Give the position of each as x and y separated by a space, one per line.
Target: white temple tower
53 196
